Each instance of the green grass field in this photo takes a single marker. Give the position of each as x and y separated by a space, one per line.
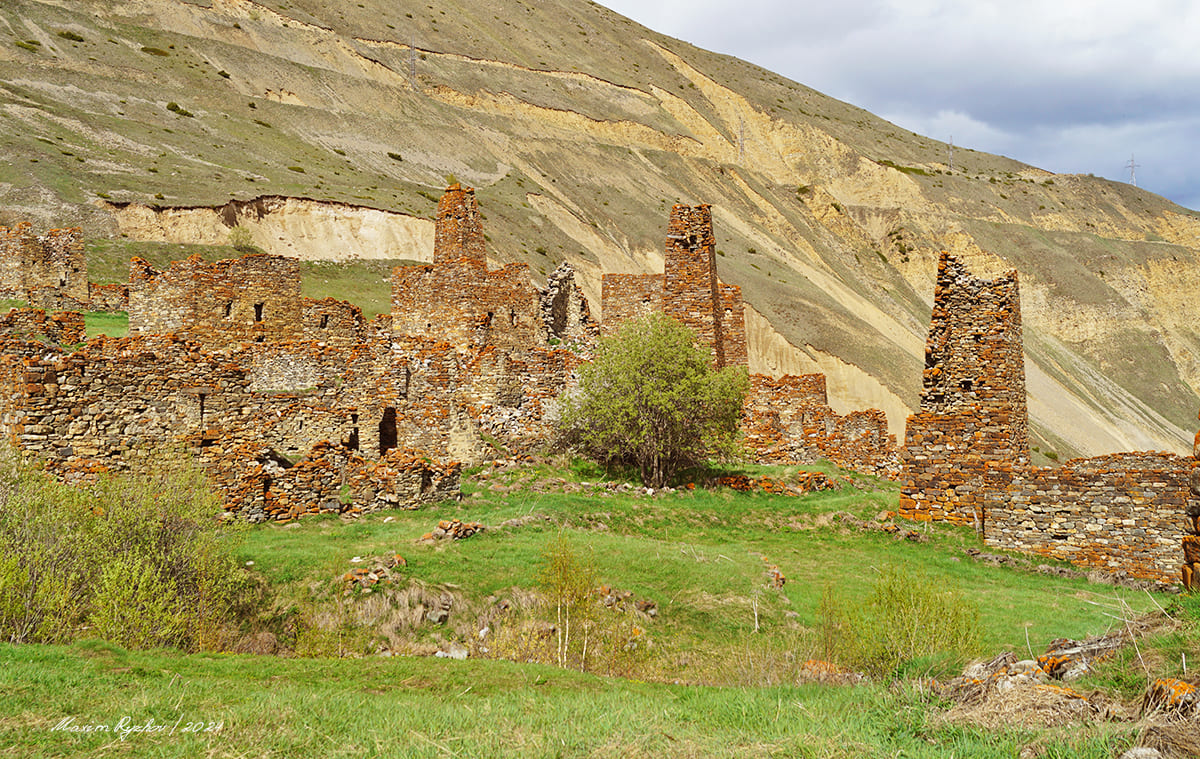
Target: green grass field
718 671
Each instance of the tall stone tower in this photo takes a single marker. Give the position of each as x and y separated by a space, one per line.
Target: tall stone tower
458 231
690 290
972 431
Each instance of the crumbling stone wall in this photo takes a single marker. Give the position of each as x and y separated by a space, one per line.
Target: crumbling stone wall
972 429
333 322
47 271
251 299
113 395
110 298
788 420
62 328
565 310
459 301
1120 512
331 479
14 242
966 457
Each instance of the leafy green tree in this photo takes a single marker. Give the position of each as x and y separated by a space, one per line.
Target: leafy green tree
652 400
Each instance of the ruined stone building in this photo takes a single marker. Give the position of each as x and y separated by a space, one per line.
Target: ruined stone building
966 452
299 406
786 420
48 270
459 301
687 290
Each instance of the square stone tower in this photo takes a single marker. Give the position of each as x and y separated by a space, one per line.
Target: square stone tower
691 293
458 233
972 432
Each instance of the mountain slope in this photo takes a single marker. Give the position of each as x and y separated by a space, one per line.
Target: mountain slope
580 128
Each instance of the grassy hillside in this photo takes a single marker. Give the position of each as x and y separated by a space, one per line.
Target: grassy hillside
719 669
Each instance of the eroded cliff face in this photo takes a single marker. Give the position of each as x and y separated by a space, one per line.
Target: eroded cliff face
579 129
307 229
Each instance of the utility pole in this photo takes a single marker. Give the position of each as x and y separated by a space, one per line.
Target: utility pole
951 154
1133 167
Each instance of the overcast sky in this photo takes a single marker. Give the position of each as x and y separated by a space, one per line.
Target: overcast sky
1071 86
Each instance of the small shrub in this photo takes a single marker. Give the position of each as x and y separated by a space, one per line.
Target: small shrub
241 240
32 46
223 74
155 51
568 581
395 156
66 34
175 108
908 617
652 400
138 557
297 169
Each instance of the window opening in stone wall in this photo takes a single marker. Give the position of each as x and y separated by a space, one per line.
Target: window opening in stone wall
228 309
202 396
426 482
258 311
353 442
512 316
387 431
966 385
407 380
324 321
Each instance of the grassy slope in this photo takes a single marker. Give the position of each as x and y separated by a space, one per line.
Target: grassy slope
698 554
421 707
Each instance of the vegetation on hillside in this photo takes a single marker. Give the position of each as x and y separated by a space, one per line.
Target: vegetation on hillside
651 400
134 558
721 665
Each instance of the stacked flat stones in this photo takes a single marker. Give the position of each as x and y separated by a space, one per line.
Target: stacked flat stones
1191 541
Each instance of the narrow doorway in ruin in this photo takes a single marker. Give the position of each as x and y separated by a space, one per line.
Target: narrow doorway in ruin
258 312
353 444
387 431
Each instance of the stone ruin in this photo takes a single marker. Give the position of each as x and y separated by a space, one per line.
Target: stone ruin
47 271
786 420
298 406
966 453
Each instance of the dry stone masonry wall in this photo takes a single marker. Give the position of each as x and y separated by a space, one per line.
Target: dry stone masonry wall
62 328
297 406
966 458
47 271
251 299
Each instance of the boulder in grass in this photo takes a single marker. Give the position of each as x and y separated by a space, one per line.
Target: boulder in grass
1172 696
